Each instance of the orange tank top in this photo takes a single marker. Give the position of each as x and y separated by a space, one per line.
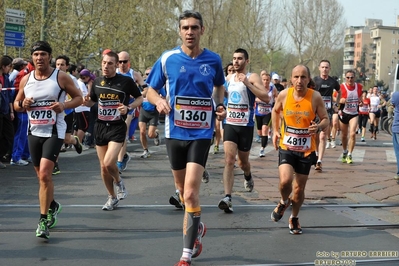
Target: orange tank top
298 116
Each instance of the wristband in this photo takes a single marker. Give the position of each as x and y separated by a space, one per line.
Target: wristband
221 104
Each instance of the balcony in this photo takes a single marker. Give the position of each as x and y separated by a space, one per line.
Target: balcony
349 49
348 67
349 58
350 40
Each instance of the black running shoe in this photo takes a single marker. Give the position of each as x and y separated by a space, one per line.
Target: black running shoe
42 229
52 215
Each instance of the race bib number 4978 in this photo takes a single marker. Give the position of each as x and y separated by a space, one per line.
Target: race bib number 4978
41 113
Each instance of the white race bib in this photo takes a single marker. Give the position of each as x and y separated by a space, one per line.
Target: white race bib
264 109
108 110
327 101
297 139
237 113
41 113
193 112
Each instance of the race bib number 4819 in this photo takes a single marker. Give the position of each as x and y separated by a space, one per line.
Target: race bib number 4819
297 139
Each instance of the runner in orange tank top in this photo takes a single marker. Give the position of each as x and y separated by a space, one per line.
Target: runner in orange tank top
294 138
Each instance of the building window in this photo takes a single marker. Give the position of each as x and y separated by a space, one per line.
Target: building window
393 41
393 32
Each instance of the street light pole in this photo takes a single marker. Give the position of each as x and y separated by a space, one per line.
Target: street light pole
43 30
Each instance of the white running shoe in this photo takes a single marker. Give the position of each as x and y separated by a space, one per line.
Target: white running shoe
333 145
121 191
111 204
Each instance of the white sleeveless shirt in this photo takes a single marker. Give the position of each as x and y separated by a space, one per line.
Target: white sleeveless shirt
42 119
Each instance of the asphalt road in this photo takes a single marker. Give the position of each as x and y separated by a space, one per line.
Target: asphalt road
146 230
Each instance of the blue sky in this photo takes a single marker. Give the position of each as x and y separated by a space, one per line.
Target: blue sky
356 11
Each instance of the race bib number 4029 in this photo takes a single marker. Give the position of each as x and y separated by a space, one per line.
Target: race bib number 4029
193 112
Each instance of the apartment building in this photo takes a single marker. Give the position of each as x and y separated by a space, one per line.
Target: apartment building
385 51
358 48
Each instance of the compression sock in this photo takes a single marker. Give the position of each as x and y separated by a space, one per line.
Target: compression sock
264 140
192 218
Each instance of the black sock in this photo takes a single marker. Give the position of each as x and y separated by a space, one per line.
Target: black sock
264 140
228 195
248 177
43 216
53 205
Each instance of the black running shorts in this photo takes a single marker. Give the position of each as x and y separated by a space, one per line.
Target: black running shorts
262 120
181 152
106 132
149 117
42 147
241 135
297 160
346 118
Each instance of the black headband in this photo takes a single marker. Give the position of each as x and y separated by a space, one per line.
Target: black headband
40 48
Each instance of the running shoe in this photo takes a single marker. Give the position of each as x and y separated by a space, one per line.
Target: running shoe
226 205
333 144
2 166
262 153
198 241
120 165
396 177
111 204
183 263
175 201
52 215
121 191
249 185
344 155
42 229
318 166
215 149
205 176
78 145
362 139
328 145
295 227
56 169
349 159
20 162
157 140
278 212
145 154
123 164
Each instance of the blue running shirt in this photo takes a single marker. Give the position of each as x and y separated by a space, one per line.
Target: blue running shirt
189 85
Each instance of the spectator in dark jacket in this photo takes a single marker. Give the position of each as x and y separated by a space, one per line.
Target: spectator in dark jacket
6 110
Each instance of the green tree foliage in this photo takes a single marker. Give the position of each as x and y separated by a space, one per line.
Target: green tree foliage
82 29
